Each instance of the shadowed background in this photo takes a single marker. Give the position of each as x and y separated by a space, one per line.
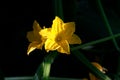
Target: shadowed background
16 22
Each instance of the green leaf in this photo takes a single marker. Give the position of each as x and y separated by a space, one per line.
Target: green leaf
93 69
95 42
43 70
106 22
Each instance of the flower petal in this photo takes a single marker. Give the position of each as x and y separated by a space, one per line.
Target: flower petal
92 77
36 26
64 47
98 66
45 32
69 29
57 25
32 46
74 39
30 36
34 35
51 45
36 29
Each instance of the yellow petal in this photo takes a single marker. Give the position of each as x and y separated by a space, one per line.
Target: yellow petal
74 39
64 47
61 50
51 45
45 32
32 46
61 28
57 25
92 77
68 29
36 29
36 26
34 35
30 36
98 66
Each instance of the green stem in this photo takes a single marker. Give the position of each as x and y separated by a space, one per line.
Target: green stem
93 69
58 8
95 42
47 64
107 24
110 32
43 70
46 70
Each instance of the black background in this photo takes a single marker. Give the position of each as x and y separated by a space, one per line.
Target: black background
17 21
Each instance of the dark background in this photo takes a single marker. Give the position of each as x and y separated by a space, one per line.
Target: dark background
17 21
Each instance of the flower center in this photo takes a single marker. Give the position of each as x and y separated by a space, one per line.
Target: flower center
58 39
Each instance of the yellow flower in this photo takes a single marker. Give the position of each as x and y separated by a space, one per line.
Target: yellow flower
61 36
37 40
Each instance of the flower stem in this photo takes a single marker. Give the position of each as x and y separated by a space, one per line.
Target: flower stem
47 64
87 63
58 8
110 32
107 24
95 42
43 70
